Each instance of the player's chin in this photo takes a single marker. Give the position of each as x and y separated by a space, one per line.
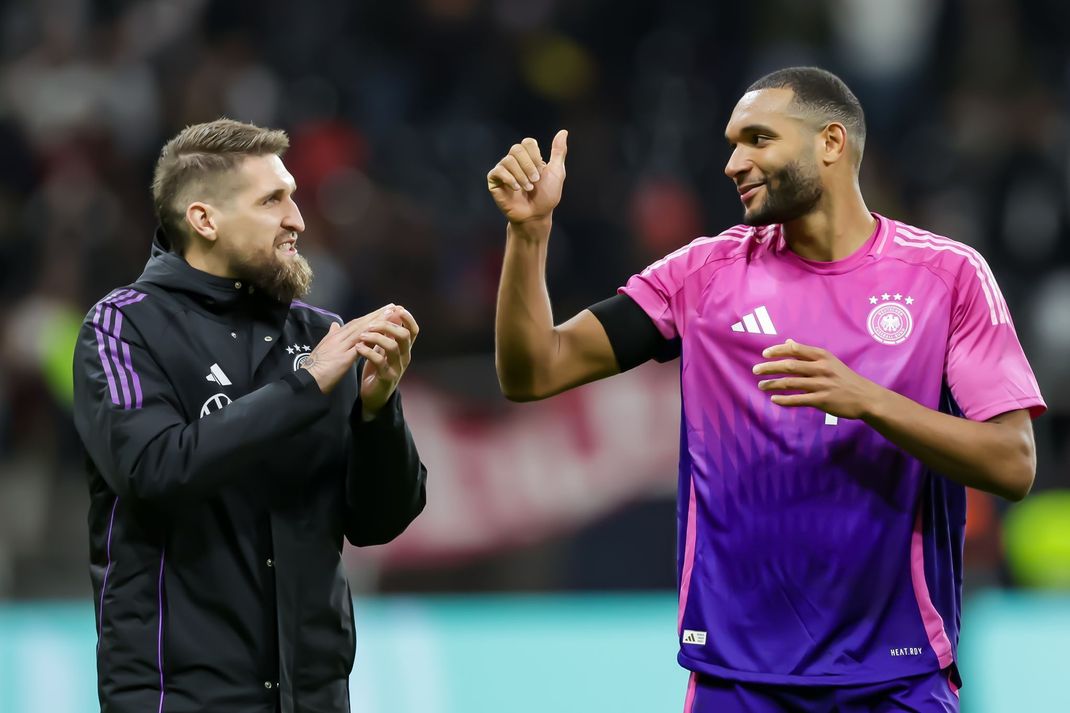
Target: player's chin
756 217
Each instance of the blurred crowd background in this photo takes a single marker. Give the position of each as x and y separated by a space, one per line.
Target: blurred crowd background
396 111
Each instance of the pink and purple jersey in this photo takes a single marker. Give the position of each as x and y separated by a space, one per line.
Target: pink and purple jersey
811 549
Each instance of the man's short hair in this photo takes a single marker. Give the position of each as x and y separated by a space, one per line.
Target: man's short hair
822 94
198 157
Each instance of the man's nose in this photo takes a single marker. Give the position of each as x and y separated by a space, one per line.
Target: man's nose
738 163
293 220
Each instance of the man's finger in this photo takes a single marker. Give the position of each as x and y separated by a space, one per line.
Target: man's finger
794 400
513 167
409 321
375 358
786 366
527 165
400 334
793 348
787 384
361 323
532 147
500 178
373 339
558 150
394 350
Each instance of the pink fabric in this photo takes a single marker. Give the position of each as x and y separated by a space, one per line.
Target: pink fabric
764 487
934 623
986 368
952 686
689 557
689 700
656 287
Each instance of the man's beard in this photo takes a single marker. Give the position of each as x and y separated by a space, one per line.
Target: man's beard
790 193
282 279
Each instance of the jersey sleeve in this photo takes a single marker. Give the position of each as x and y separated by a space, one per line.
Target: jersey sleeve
987 370
130 419
659 287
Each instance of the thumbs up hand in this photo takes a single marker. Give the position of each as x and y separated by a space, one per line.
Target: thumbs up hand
523 185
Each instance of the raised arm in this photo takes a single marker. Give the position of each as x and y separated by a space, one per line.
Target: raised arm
534 358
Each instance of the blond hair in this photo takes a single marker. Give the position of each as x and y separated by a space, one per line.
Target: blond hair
198 156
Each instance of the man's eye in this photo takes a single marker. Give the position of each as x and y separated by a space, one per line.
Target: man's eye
759 139
271 199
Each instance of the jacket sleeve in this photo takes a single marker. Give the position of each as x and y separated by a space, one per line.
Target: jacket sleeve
131 421
385 480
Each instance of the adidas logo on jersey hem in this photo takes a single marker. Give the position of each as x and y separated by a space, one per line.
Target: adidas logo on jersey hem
756 322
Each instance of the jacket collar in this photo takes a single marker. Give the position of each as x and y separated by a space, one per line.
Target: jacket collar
170 271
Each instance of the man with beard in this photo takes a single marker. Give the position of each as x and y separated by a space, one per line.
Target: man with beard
235 435
843 377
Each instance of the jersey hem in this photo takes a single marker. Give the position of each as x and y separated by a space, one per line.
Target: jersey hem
1036 408
862 679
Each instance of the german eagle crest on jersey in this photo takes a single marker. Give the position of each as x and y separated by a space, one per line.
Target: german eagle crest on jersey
890 322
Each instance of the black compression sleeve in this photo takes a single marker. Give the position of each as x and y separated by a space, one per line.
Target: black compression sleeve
632 333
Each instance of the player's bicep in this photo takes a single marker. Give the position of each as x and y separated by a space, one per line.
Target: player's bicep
611 336
1020 424
583 354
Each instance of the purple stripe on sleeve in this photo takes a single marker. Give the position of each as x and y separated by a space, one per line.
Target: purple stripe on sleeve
107 571
129 364
104 361
116 296
129 300
114 351
159 631
299 303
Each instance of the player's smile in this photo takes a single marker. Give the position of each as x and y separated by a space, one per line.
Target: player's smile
747 192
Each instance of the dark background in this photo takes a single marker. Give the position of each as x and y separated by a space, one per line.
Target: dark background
397 110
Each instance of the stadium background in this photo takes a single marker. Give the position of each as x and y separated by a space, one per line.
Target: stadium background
549 530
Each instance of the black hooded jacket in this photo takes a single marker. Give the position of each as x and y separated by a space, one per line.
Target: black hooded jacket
222 481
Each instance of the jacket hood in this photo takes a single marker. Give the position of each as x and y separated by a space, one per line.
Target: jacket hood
171 272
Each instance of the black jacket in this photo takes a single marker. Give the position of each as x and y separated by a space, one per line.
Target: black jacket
222 482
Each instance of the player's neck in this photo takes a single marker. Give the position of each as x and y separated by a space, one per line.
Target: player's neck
834 230
207 262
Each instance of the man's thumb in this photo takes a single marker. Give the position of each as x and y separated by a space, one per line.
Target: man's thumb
559 149
333 328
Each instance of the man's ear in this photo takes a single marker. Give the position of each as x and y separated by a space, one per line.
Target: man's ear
833 143
202 218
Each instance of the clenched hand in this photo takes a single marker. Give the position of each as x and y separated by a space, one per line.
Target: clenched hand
386 345
344 344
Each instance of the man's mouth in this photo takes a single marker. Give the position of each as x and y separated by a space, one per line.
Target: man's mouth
748 191
288 246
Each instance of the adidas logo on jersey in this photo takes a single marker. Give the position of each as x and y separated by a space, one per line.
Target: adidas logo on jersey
757 322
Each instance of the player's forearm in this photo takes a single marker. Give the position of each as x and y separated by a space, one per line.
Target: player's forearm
524 327
999 458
